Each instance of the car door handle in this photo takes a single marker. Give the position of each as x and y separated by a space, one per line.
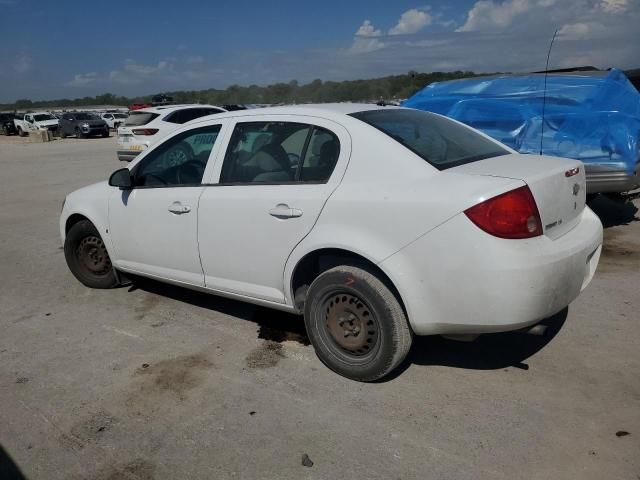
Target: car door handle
282 210
178 208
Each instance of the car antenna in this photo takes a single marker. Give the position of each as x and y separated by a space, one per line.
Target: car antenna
544 95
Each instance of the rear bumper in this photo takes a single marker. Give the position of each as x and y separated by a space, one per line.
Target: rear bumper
128 155
603 179
460 280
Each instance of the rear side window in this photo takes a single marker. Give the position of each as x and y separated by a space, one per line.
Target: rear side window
140 118
279 152
440 141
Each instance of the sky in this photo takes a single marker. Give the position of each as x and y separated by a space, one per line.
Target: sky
70 49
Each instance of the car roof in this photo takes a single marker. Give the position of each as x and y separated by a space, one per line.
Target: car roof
325 110
172 108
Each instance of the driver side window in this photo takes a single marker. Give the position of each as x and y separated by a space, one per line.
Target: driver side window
180 161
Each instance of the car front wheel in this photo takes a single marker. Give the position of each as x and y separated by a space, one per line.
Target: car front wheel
356 324
87 256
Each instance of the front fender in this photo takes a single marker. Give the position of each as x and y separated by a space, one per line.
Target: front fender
91 202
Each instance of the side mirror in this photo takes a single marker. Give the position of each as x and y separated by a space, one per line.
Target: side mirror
121 179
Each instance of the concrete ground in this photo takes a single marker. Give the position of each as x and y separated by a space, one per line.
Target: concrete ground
156 382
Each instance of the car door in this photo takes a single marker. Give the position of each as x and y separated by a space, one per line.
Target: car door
268 190
66 124
30 122
154 225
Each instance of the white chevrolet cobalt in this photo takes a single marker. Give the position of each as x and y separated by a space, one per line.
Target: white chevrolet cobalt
376 223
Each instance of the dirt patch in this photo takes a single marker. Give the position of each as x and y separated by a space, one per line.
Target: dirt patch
267 355
175 376
138 469
149 302
619 253
88 431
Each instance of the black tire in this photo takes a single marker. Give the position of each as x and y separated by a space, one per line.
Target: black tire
105 134
21 133
61 133
356 324
87 256
5 131
79 134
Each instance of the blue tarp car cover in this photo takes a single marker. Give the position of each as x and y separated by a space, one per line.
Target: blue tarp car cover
590 116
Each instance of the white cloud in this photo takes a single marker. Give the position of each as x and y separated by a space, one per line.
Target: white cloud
411 21
82 79
365 45
133 72
614 6
486 14
368 30
581 31
426 43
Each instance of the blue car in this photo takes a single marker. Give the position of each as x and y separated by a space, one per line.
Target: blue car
591 116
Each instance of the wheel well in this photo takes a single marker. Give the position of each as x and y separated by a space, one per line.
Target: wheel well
72 220
319 261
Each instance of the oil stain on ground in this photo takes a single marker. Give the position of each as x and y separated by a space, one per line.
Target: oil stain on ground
267 355
280 327
138 469
173 377
88 431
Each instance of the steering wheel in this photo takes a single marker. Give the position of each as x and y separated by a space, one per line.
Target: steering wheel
179 155
190 165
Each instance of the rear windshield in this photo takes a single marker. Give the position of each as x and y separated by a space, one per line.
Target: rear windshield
119 115
139 118
440 141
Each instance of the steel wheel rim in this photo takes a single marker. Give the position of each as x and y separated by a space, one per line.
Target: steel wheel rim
350 324
92 255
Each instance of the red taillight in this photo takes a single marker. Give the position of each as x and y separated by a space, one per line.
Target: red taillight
145 131
511 215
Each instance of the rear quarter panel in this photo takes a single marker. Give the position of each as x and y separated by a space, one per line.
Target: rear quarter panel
388 198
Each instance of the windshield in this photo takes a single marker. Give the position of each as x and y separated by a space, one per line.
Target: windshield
440 141
86 116
119 115
139 118
43 116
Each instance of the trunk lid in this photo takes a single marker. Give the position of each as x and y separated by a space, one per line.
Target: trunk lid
557 187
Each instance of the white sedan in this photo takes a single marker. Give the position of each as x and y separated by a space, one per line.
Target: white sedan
376 223
147 126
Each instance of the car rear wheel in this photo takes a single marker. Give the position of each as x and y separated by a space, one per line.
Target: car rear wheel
87 256
356 324
79 134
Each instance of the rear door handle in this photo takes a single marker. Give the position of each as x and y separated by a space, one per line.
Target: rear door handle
282 210
178 208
